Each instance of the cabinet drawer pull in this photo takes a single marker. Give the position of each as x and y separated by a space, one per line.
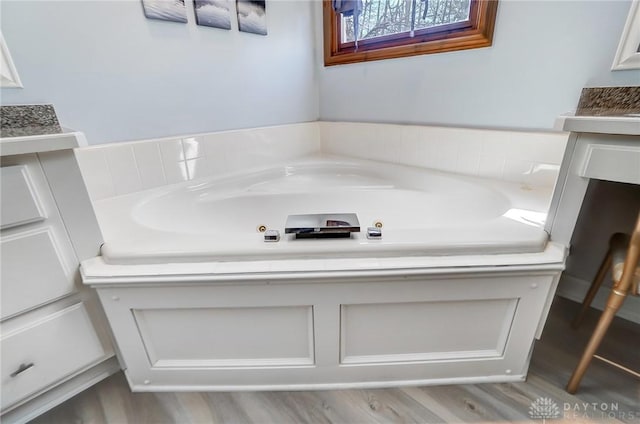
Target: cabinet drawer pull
22 368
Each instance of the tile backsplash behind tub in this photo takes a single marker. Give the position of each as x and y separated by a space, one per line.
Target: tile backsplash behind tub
527 157
121 168
531 158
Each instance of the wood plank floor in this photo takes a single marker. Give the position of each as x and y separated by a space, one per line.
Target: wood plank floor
607 393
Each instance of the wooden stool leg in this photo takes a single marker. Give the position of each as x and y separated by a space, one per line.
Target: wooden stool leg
593 289
613 305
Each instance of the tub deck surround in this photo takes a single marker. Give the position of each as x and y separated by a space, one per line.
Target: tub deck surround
457 289
423 213
97 272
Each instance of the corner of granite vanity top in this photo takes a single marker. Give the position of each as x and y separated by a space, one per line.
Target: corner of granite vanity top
609 101
605 110
28 120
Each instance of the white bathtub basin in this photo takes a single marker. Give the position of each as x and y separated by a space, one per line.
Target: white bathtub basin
327 313
423 213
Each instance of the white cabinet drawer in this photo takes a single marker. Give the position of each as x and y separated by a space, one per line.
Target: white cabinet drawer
20 203
620 162
47 351
35 270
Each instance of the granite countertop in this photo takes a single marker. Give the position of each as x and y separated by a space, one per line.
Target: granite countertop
609 101
606 110
27 120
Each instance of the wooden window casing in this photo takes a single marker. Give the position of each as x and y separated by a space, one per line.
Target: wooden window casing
473 33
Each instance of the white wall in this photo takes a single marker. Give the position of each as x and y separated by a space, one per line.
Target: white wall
116 75
543 54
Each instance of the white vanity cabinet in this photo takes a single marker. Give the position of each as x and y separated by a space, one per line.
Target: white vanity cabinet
601 148
605 148
53 341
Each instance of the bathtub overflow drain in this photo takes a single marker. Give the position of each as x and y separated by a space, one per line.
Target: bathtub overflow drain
262 228
377 224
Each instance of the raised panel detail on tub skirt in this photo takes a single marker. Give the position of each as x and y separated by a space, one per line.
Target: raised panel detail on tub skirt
425 331
267 334
227 337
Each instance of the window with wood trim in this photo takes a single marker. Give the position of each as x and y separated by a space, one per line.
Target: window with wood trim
387 29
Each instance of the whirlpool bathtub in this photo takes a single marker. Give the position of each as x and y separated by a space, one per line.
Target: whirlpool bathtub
197 300
421 212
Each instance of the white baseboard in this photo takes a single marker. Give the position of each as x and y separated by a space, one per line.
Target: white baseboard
574 288
55 396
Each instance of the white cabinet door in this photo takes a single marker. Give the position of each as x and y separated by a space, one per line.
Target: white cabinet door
32 271
39 264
